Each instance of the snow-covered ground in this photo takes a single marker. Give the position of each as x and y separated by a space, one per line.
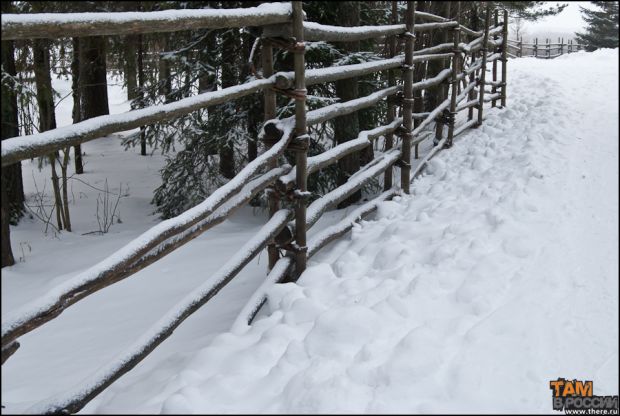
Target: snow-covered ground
498 274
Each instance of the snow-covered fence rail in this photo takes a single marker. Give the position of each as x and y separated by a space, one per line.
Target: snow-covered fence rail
547 50
462 78
61 25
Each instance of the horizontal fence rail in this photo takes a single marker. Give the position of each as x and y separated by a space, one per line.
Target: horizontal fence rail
462 78
61 25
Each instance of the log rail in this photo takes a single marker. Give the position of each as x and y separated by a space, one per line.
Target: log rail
516 48
286 229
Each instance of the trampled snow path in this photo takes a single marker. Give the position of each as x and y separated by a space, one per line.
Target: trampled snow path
497 275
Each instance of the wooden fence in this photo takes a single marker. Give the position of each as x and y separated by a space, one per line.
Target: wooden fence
463 80
547 50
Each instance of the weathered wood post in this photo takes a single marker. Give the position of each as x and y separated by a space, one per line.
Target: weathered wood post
391 109
302 140
504 57
483 68
536 48
269 99
443 88
472 94
548 49
472 76
456 54
494 88
405 161
562 47
521 47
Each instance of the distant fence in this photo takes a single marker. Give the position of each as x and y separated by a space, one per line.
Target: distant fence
517 48
462 80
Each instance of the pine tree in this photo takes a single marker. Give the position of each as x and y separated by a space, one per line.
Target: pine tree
602 30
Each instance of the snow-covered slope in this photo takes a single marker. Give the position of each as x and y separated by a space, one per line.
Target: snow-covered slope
498 274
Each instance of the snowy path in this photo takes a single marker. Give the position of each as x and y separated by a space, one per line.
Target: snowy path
497 275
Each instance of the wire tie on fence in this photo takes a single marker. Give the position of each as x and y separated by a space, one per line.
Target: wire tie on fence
402 164
406 67
302 140
446 117
295 248
298 47
404 134
400 130
453 117
300 93
297 94
303 195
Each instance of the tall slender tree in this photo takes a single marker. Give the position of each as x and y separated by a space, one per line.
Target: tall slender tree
76 94
347 127
11 175
93 84
11 190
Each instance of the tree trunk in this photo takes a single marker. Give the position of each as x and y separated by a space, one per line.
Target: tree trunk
47 116
419 72
75 90
437 95
346 127
255 108
11 188
93 81
230 76
60 214
208 81
13 193
165 81
140 62
7 252
131 66
65 192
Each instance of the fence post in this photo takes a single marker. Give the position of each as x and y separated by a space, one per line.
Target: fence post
536 48
504 57
301 160
443 88
562 47
521 47
494 88
391 109
405 162
472 77
456 54
269 100
483 69
548 48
